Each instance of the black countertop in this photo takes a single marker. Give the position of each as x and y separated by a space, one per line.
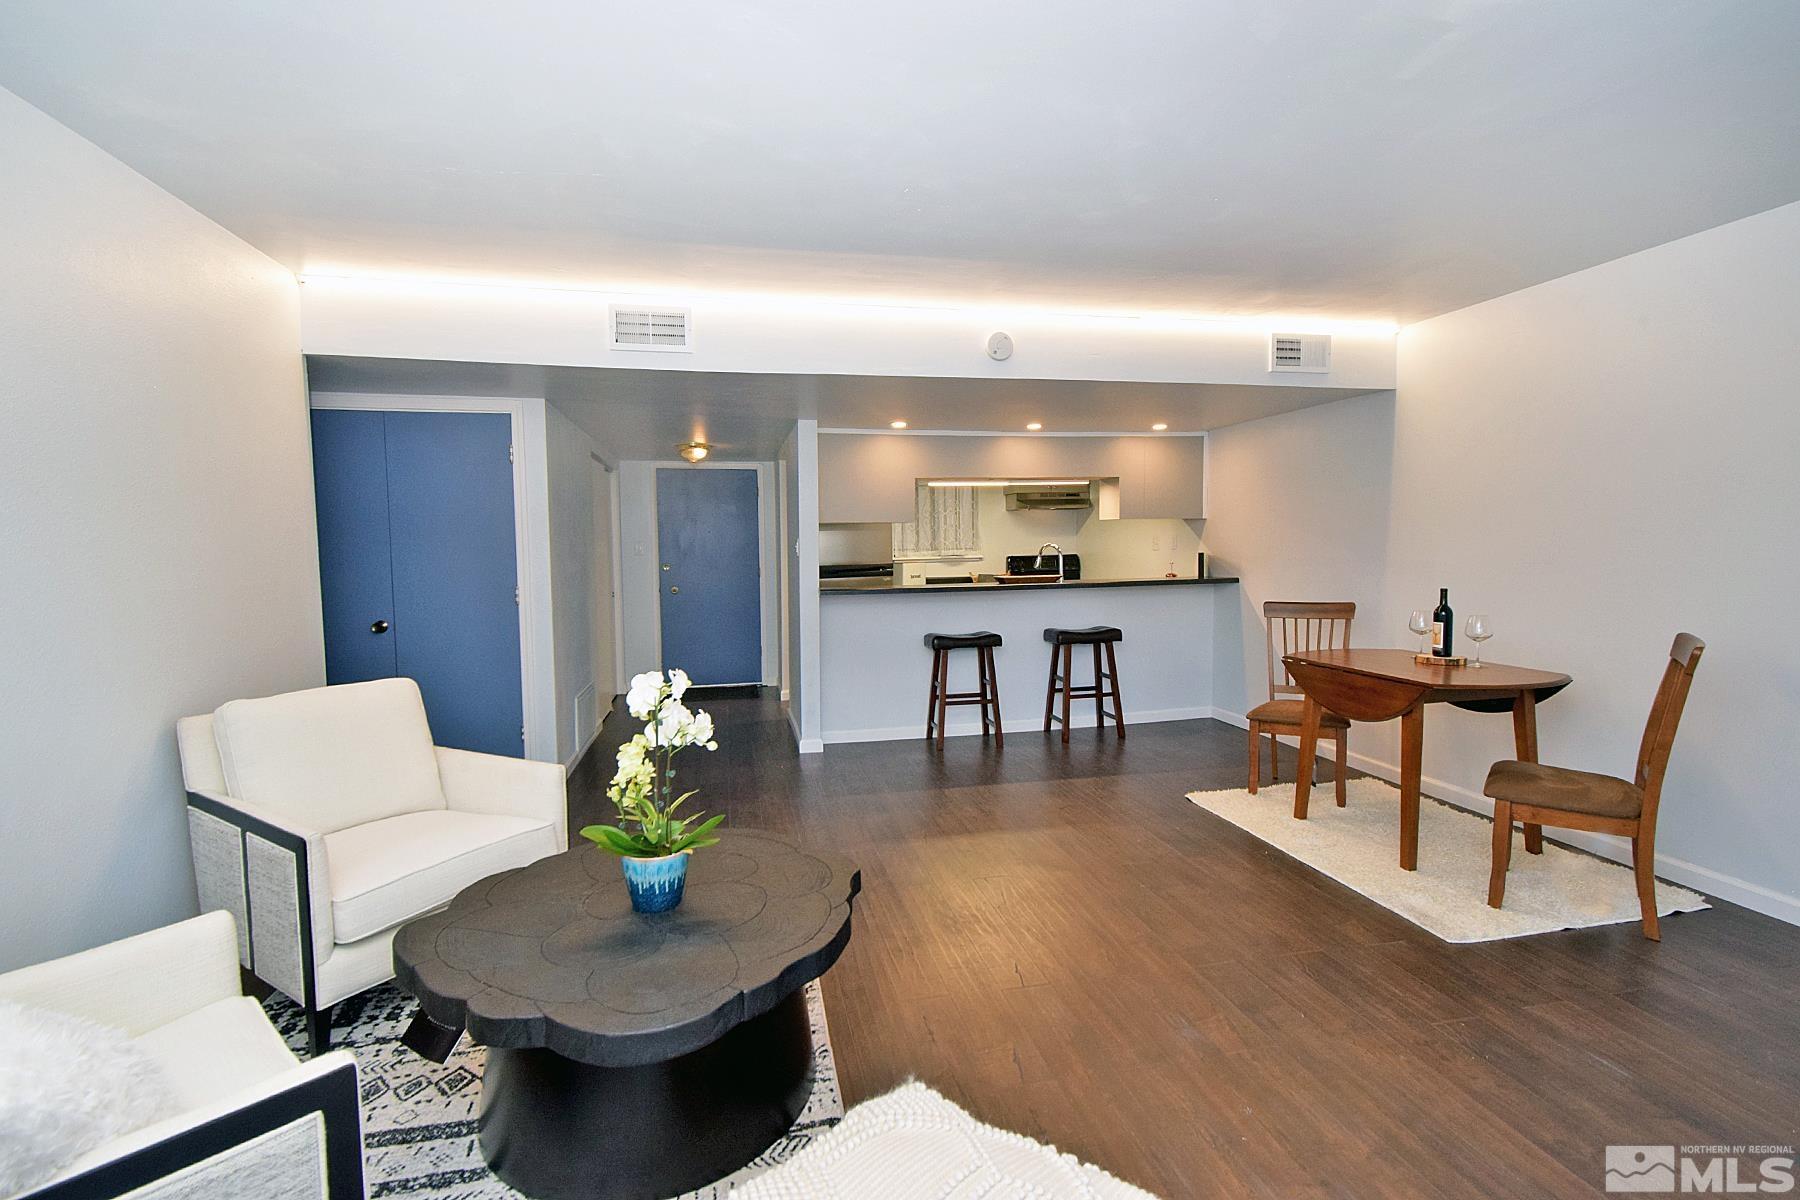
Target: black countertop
847 588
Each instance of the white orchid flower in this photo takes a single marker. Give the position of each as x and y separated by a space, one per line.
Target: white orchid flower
645 691
678 682
673 723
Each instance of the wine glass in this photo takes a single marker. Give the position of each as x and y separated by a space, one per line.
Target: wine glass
1478 630
1420 623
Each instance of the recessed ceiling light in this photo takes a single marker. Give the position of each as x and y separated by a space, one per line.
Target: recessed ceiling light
1035 426
694 451
896 424
1159 426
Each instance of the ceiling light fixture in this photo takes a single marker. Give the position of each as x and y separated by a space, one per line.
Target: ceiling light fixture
694 451
896 424
1159 427
1035 426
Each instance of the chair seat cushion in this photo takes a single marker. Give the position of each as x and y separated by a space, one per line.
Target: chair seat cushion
1564 790
212 1052
1291 713
332 757
913 1143
387 872
1083 637
960 641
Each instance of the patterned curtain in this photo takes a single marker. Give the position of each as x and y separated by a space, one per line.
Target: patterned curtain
945 521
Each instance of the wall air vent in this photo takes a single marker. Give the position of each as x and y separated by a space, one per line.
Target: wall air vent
1309 352
637 328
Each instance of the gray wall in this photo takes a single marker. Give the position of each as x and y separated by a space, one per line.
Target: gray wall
569 466
156 526
1596 463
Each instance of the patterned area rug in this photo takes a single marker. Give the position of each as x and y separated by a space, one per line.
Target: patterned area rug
419 1118
1359 846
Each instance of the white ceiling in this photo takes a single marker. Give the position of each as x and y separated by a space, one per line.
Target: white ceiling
1389 159
647 413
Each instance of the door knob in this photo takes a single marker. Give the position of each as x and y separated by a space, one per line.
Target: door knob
675 591
379 627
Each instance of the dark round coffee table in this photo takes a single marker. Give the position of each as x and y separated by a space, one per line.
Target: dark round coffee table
635 1055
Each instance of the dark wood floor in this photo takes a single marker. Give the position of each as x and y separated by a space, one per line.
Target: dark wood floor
1053 937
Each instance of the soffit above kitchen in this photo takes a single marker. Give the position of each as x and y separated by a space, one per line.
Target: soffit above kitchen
646 413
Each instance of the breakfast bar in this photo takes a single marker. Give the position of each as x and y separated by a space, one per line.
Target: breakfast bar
875 669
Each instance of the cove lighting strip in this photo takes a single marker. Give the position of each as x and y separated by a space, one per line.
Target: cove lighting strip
855 305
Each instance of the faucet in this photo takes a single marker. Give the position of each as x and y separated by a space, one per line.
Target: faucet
1039 561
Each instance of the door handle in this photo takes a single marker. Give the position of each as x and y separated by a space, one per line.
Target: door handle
675 591
379 627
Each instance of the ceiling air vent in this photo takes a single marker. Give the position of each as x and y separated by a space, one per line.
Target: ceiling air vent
1309 352
636 328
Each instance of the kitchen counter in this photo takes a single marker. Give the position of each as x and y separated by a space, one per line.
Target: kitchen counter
875 671
833 587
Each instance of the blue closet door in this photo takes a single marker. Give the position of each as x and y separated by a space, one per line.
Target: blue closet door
455 570
355 576
418 564
706 534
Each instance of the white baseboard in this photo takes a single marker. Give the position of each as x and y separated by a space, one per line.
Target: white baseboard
803 745
971 726
1764 900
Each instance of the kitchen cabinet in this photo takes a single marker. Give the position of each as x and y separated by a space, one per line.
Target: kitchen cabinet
871 476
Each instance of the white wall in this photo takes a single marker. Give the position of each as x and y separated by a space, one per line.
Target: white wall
800 504
569 461
605 485
156 526
1596 462
640 573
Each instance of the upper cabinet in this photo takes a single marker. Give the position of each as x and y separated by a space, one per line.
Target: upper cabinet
871 476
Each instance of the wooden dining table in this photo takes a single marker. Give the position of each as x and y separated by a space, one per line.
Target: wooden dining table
1380 685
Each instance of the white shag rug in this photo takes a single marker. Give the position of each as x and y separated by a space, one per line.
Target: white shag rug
913 1144
419 1136
1359 846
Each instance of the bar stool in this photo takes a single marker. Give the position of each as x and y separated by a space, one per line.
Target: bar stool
1064 641
940 645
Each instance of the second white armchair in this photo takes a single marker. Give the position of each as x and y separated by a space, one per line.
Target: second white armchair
325 819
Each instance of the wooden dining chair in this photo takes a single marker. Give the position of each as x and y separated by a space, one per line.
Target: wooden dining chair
1540 795
1301 627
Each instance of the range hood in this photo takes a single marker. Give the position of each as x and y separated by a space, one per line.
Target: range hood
1048 496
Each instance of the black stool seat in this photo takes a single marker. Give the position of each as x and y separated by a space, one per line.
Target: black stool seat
1093 636
961 641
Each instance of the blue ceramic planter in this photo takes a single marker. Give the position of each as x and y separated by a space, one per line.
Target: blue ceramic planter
655 884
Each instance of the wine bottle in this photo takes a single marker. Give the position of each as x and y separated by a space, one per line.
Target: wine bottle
1443 625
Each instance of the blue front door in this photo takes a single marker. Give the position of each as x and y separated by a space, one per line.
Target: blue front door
355 565
418 564
706 535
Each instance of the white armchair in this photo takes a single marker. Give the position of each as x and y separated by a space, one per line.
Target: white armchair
252 1119
324 820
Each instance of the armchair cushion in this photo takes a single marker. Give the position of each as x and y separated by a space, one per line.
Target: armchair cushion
389 871
67 1086
332 757
217 1051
